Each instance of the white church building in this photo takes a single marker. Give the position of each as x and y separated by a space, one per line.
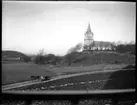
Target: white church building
89 41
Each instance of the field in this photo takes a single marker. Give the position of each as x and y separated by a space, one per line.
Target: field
22 71
16 72
76 69
104 80
103 58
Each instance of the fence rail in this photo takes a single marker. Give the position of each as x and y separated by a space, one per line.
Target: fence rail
73 96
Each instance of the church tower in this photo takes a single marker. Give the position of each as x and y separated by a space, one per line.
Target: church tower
88 38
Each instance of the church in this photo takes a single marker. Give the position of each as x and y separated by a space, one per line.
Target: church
91 44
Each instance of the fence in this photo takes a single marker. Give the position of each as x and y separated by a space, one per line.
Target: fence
73 96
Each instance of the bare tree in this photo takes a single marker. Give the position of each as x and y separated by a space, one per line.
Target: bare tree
41 52
40 58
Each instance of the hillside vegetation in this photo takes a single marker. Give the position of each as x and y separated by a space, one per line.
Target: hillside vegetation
101 58
10 56
72 62
9 53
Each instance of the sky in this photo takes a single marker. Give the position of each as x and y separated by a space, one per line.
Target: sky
28 26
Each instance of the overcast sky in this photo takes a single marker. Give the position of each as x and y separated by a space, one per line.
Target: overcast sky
56 26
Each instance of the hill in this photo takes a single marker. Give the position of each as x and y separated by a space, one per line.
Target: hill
12 57
12 54
102 58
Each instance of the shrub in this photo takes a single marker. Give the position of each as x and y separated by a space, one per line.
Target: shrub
117 62
26 59
70 57
126 48
39 59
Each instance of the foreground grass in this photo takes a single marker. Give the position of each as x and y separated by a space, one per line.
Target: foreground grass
106 80
20 71
17 72
74 69
95 61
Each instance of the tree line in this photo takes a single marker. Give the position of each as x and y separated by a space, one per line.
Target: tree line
42 58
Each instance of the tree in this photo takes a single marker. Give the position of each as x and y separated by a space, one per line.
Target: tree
41 52
40 57
113 46
106 45
70 57
26 58
101 45
85 47
72 52
50 58
130 48
91 46
119 43
56 59
96 49
76 48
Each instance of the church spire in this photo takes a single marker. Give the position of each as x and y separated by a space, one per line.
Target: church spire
88 29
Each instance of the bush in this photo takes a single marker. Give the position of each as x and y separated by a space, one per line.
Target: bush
117 61
80 59
39 59
27 59
50 57
130 48
57 59
70 57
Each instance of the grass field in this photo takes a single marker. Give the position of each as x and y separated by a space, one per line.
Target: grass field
103 58
106 80
72 69
15 72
